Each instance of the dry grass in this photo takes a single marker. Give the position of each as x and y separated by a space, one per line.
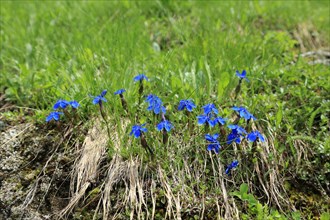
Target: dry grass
138 189
86 167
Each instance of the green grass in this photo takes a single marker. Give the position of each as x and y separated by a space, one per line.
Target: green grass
53 50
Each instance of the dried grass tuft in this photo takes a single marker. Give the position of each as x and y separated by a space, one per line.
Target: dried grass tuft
85 168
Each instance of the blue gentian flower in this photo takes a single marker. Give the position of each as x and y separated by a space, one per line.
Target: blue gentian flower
215 145
61 104
155 104
100 98
120 91
137 130
238 128
74 104
242 75
140 78
151 97
188 104
234 136
238 109
104 92
165 124
236 133
54 115
254 135
209 108
220 120
202 119
231 166
243 113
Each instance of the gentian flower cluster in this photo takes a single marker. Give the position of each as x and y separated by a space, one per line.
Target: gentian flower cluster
61 104
54 115
155 104
237 132
164 124
254 136
243 113
215 145
210 116
186 104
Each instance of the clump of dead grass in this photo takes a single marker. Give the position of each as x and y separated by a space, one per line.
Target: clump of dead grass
183 180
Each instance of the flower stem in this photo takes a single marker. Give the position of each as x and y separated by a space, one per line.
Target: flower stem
145 145
238 88
222 131
140 92
190 125
105 120
123 102
165 137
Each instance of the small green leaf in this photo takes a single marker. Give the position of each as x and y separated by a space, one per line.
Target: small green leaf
243 188
236 193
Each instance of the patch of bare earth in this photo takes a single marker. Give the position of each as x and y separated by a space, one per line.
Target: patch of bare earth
34 170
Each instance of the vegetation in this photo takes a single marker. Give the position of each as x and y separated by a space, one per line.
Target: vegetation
188 50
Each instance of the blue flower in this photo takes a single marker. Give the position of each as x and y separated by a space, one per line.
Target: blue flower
215 145
140 78
243 113
242 75
234 164
137 130
61 104
220 120
104 92
188 104
74 104
120 91
151 97
238 109
100 98
54 115
155 104
202 119
238 128
254 135
165 124
209 108
234 136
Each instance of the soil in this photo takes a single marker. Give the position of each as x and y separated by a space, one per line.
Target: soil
34 172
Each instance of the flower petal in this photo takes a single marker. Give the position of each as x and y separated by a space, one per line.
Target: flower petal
160 126
209 137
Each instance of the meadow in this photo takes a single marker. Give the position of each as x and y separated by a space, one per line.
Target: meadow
95 164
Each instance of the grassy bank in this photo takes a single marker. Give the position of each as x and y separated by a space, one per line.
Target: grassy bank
68 50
